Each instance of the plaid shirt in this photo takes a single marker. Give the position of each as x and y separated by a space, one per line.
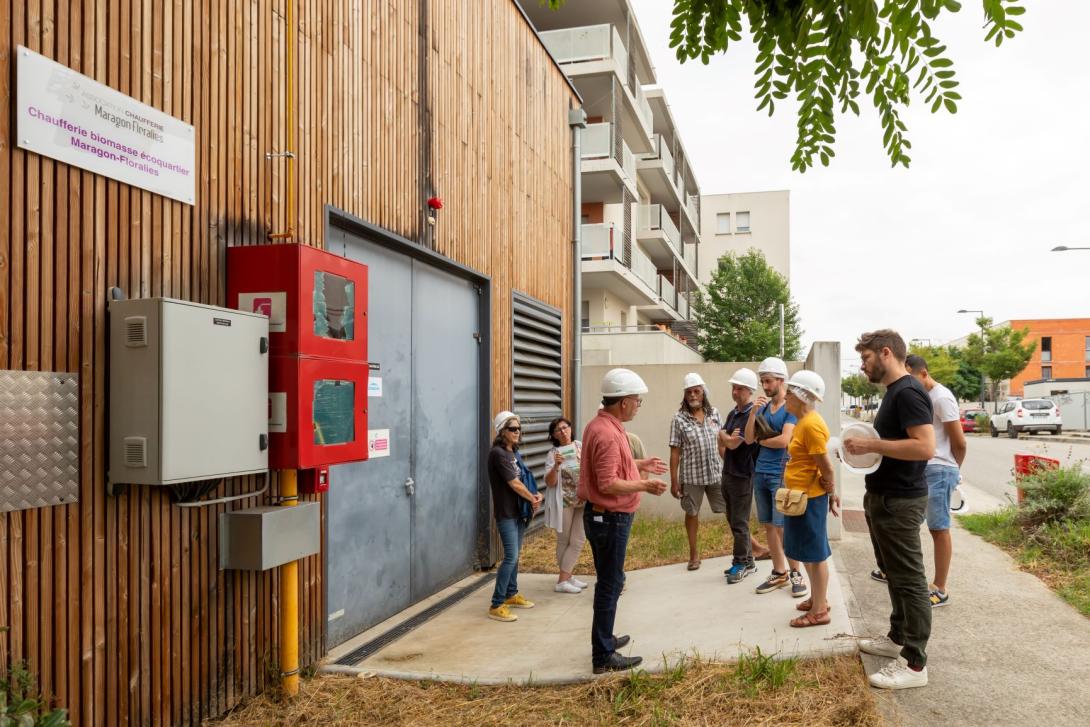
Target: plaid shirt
700 462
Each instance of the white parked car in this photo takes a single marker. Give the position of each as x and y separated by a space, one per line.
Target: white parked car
1027 415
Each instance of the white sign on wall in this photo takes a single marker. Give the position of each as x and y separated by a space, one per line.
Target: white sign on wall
69 117
378 443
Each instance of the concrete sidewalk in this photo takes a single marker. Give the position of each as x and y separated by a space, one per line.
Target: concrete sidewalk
670 613
1005 651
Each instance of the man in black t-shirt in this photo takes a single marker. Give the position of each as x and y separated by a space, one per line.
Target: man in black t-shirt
895 504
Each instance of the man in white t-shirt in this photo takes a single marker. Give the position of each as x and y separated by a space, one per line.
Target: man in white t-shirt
942 472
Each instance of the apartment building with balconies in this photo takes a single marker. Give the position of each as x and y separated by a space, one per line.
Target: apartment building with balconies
640 200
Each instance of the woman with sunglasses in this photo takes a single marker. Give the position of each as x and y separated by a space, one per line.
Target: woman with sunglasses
507 491
563 508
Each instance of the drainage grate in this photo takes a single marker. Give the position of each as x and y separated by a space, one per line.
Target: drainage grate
379 642
855 521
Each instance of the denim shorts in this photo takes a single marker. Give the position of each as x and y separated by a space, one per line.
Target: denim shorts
764 494
941 481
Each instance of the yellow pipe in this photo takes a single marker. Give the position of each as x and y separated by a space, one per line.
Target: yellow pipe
290 120
289 599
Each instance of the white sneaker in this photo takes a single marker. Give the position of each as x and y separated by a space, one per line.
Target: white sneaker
567 587
881 646
897 675
576 582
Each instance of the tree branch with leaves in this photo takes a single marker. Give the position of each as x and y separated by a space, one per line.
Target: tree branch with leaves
826 53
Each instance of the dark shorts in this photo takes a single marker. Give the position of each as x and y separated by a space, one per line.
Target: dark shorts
805 537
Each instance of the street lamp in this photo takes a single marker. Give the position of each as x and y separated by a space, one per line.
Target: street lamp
984 347
1065 248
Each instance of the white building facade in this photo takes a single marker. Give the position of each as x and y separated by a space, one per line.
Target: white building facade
744 220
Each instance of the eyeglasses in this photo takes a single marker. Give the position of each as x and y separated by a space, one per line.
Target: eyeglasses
639 400
513 429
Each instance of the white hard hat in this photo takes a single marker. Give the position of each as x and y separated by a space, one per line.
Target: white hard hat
774 366
808 382
622 382
744 377
502 418
692 380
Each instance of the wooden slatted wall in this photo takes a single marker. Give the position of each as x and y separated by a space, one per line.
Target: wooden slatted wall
116 603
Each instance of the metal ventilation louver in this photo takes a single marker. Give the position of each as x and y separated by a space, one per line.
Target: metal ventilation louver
538 365
136 452
136 331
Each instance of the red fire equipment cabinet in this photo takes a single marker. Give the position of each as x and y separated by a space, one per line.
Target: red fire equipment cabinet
317 307
314 480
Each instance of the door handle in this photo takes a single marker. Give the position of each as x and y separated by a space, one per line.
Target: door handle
410 486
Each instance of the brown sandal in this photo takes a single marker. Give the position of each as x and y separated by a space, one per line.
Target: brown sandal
805 605
693 565
811 619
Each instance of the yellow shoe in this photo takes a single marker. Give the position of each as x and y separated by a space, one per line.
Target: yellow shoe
502 613
517 601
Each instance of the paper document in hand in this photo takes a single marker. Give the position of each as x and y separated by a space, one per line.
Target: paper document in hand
571 457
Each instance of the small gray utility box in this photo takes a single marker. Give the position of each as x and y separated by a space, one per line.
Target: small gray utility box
260 538
189 388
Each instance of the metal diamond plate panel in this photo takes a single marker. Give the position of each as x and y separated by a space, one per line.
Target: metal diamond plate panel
39 439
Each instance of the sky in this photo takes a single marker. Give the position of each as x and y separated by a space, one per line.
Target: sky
970 224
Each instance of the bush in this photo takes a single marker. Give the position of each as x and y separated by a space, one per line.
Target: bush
22 706
1054 495
983 422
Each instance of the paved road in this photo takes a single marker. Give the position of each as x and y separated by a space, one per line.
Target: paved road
989 463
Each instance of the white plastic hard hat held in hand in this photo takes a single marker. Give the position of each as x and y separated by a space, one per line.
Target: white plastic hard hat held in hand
744 377
692 380
774 366
622 382
808 382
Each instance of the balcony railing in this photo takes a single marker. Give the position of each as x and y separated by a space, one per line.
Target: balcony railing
667 292
587 43
643 106
596 141
690 258
628 162
597 240
655 217
692 203
661 150
643 267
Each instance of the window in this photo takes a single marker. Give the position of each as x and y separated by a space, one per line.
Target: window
1087 372
333 314
722 223
1046 372
1046 348
332 408
584 315
741 222
1088 348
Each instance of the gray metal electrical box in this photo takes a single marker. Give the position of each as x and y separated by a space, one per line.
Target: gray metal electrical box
188 392
260 538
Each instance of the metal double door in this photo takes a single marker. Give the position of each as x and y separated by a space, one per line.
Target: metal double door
403 526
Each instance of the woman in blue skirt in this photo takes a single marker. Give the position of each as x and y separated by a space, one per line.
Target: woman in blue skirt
809 469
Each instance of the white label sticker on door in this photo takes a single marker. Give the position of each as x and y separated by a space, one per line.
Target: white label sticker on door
374 386
278 411
378 443
274 305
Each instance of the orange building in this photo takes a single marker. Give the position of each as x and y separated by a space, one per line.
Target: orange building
1063 350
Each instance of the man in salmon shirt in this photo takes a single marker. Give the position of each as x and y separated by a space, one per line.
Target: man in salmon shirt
610 482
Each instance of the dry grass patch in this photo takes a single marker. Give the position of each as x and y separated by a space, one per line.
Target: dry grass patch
654 541
757 691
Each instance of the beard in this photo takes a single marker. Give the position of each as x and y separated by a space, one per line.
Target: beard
877 373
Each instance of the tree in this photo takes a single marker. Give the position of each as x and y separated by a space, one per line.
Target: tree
738 319
826 53
860 387
1000 354
968 380
940 363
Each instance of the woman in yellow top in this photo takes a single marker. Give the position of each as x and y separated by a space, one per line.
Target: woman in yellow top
805 537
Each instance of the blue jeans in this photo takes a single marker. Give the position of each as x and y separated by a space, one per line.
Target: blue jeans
941 481
511 532
764 492
607 533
